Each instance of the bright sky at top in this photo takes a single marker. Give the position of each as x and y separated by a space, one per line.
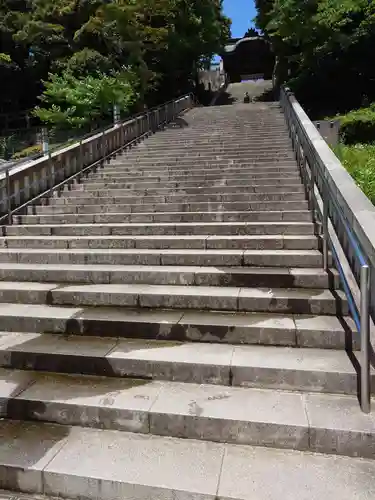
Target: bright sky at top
242 13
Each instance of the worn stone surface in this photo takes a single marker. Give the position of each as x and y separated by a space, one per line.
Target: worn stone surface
244 416
250 473
140 467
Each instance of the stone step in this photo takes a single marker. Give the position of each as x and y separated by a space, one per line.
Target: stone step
324 332
169 207
211 166
246 416
205 242
121 257
176 198
158 217
163 171
208 228
194 151
215 144
264 367
172 275
265 130
116 191
101 176
73 462
250 185
280 300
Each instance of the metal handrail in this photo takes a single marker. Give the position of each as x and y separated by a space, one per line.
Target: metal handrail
332 218
86 154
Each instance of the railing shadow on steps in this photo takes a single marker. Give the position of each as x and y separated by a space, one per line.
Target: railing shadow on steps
347 222
24 183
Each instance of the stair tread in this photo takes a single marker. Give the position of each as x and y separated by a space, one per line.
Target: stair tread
178 251
284 358
165 269
146 466
151 404
175 290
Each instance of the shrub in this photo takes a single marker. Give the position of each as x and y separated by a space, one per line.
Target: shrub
359 160
358 126
29 151
72 102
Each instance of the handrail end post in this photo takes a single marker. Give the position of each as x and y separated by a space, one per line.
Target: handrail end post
365 395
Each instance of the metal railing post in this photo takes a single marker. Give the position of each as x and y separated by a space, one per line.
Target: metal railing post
365 339
325 230
9 199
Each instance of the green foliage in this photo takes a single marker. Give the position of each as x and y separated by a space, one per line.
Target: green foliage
359 160
74 102
162 43
358 126
29 151
324 48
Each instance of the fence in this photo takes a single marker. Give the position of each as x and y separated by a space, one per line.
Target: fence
25 182
347 220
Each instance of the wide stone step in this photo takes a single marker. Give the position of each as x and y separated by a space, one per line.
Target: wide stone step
325 332
266 367
169 207
81 190
207 228
175 198
281 300
219 165
203 170
220 160
195 152
157 217
265 130
216 144
258 258
147 466
228 178
172 275
263 182
205 242
246 416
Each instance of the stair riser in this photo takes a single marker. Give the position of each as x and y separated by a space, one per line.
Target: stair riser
183 278
216 229
263 183
156 259
224 302
194 179
195 242
214 145
188 170
181 331
193 152
190 372
169 207
259 181
203 191
287 216
193 426
220 165
175 199
266 131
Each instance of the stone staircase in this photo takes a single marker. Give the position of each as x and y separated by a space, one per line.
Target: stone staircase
169 333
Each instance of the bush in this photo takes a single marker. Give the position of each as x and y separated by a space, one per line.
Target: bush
359 160
358 126
29 151
71 102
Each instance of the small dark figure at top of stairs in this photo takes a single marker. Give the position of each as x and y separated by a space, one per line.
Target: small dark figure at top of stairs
246 98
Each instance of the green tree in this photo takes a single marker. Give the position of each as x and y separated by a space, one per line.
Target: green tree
324 49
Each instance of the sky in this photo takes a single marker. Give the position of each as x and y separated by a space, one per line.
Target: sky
241 12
